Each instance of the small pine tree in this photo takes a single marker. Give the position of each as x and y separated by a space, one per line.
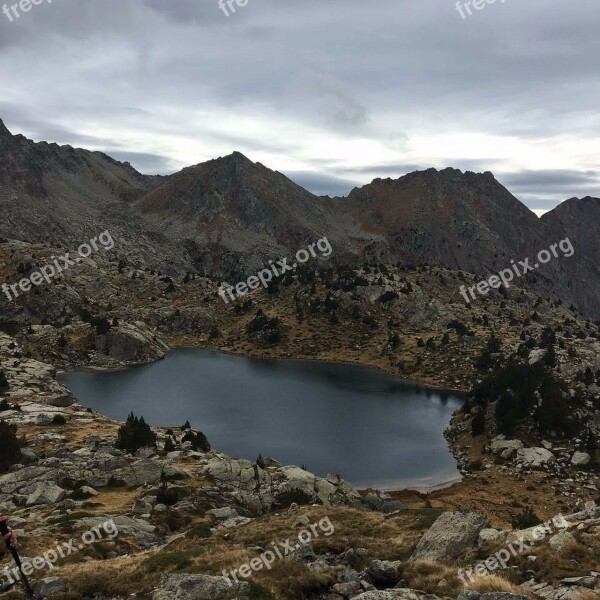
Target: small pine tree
4 385
169 445
198 439
526 519
260 461
10 446
135 434
478 423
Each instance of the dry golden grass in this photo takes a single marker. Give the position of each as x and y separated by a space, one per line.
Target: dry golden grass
493 583
425 575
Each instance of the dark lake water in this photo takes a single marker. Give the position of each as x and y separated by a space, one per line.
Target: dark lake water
372 429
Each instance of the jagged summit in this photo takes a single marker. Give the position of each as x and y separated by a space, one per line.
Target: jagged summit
4 132
227 215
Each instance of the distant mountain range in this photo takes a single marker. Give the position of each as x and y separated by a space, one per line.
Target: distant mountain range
228 216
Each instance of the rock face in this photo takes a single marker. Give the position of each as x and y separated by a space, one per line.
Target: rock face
201 587
446 218
131 343
31 379
450 536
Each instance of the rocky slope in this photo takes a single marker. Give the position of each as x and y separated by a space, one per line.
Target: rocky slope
183 514
226 217
388 297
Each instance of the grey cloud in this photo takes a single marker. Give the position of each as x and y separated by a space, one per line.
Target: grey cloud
393 170
546 188
557 178
149 164
322 184
82 72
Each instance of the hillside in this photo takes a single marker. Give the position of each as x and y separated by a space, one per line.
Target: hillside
225 218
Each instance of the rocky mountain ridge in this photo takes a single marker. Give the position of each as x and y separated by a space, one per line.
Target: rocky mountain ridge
226 218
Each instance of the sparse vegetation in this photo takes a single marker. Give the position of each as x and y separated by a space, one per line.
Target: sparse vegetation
135 434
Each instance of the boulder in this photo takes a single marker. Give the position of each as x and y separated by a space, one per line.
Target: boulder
561 540
502 596
535 457
450 536
303 553
382 502
141 506
580 459
301 521
201 587
500 445
383 573
15 481
28 455
349 589
46 493
396 594
49 586
488 536
223 513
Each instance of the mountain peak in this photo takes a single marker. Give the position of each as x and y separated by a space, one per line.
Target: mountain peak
4 132
235 158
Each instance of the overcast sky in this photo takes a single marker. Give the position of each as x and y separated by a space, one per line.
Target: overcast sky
331 92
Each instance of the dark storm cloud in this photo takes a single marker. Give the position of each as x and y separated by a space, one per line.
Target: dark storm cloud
176 82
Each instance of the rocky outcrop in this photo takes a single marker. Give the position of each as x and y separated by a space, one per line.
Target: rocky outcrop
132 343
31 379
201 587
258 490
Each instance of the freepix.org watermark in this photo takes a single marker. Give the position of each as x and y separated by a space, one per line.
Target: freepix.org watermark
280 550
502 557
73 546
229 5
264 277
464 8
505 276
58 265
13 11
